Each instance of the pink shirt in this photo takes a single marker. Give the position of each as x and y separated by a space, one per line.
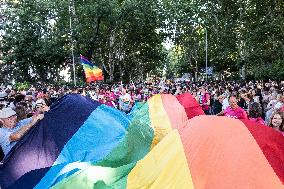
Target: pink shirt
258 120
205 97
237 113
109 103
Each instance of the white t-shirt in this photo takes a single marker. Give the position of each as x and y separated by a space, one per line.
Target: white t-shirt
225 104
124 102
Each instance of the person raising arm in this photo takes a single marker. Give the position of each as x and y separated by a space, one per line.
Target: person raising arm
22 131
11 131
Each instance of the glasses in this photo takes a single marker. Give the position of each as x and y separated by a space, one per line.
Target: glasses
12 116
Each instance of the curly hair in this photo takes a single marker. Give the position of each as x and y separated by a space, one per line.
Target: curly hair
255 110
282 117
21 111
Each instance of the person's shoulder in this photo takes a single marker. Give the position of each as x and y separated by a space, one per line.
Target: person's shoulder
227 109
24 121
226 100
240 109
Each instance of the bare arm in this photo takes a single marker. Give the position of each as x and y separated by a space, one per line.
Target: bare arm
220 113
22 131
208 100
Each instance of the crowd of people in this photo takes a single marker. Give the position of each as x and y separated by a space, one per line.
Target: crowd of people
259 101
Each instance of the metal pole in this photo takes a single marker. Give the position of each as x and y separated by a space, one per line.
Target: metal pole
206 49
72 42
73 62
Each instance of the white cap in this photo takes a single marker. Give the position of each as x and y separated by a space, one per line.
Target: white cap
3 95
40 102
6 113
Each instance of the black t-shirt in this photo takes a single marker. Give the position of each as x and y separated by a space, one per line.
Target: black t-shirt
217 107
242 103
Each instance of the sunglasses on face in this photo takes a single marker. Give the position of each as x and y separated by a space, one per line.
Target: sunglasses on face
12 117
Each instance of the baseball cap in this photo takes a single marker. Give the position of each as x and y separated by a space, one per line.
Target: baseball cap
3 95
40 102
6 113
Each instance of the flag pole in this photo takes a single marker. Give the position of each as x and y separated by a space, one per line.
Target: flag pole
71 9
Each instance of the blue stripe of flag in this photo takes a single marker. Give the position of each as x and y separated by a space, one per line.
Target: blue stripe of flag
98 136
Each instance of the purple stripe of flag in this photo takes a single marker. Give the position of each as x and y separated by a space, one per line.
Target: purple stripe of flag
28 161
85 61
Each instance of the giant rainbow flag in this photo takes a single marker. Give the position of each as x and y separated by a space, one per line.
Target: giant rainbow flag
166 143
92 72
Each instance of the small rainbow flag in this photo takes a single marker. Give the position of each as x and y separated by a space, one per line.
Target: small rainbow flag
92 72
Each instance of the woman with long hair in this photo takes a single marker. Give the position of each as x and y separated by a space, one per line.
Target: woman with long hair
277 121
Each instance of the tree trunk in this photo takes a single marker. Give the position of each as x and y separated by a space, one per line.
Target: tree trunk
110 57
120 71
130 76
111 77
141 73
196 71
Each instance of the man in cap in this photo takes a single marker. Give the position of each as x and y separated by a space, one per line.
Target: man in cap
11 131
41 106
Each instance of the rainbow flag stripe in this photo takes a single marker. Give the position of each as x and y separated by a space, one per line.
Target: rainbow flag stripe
92 73
166 143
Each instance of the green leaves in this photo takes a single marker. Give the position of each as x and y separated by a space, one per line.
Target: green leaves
125 36
30 46
239 33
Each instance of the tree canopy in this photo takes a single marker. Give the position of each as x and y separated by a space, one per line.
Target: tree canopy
126 38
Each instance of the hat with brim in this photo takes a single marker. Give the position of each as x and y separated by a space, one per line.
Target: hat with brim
40 102
6 113
3 95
